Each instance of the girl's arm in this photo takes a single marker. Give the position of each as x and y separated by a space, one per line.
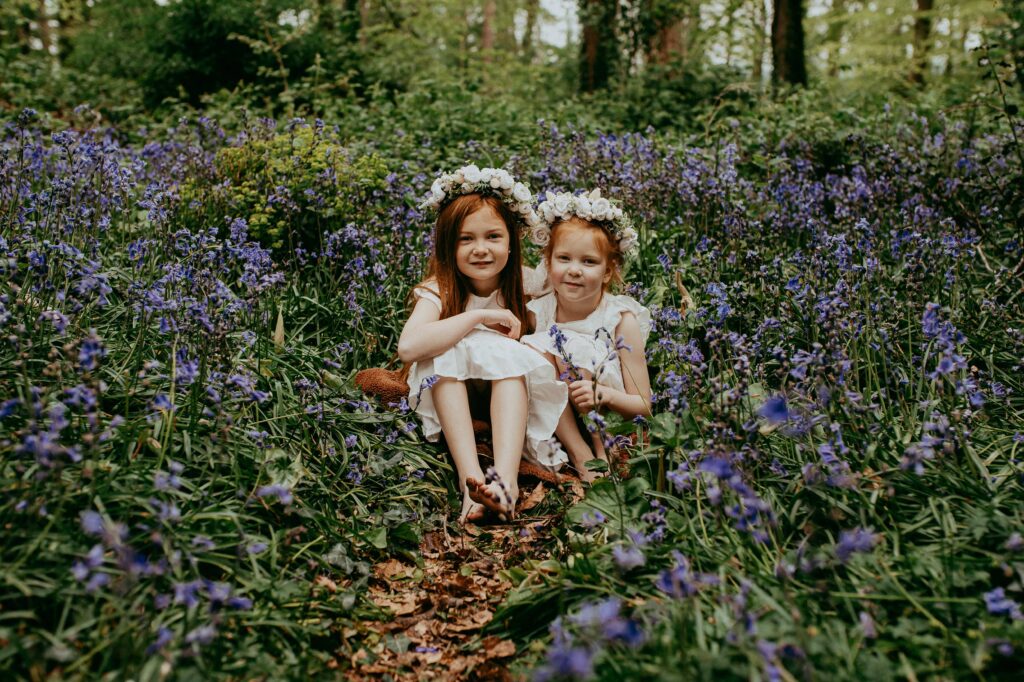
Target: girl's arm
425 335
636 399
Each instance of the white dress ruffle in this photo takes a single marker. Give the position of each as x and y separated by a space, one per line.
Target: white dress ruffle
488 355
586 342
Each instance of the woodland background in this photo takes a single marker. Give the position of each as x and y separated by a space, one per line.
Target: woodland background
209 222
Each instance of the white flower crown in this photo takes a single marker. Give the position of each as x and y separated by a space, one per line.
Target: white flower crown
493 181
591 207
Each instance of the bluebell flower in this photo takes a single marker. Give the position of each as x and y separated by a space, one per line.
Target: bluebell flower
774 410
163 638
282 493
855 541
628 557
591 519
998 604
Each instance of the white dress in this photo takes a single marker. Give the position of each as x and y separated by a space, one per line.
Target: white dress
586 342
488 355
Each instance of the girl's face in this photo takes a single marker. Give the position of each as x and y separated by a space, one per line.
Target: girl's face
579 268
482 249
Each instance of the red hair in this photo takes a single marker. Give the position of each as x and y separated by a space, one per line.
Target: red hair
605 242
453 287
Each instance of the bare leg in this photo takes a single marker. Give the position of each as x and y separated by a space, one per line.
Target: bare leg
452 404
568 433
508 432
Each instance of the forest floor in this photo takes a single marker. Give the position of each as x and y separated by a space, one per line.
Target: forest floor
443 601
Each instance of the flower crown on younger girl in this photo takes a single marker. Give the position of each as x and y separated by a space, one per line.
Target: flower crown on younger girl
592 208
496 182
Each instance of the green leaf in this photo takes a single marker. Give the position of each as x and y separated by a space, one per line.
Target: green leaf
378 537
624 505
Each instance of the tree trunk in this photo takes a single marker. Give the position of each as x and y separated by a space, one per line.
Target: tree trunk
922 33
45 34
598 46
364 20
672 36
788 65
834 36
667 42
487 29
760 40
526 46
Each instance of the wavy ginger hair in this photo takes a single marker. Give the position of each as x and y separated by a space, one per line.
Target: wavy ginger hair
453 287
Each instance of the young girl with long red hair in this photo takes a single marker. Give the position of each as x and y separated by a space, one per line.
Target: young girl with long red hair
462 337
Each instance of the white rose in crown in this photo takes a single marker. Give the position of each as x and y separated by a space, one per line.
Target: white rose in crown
601 209
520 192
471 174
457 177
583 207
561 205
486 174
507 182
541 235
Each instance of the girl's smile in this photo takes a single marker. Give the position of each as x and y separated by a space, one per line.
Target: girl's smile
483 250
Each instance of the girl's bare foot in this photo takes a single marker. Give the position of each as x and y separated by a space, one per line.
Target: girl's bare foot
471 511
495 497
588 476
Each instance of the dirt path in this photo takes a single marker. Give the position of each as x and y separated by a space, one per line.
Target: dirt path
441 607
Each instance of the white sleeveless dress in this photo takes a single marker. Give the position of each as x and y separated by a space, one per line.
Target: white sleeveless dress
488 355
586 342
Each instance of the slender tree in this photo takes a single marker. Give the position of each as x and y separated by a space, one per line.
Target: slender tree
761 29
788 60
526 45
922 36
599 47
834 35
487 29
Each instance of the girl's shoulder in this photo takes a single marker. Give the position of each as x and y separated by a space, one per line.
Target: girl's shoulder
543 307
535 281
616 304
429 290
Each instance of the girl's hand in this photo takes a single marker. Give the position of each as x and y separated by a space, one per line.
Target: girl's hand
501 321
581 392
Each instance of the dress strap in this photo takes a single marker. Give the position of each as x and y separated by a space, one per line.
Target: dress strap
622 304
427 291
544 309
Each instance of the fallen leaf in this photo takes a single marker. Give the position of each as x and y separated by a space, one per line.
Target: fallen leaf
327 583
401 604
576 486
279 329
474 622
391 568
496 647
534 498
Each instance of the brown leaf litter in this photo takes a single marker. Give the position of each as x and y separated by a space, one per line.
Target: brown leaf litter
439 608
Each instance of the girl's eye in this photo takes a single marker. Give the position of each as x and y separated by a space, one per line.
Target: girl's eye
562 259
465 239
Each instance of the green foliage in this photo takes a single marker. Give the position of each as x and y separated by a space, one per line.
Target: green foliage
192 47
290 188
